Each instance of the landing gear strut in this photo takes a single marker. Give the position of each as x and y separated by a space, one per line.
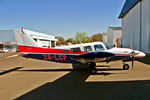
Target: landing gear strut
93 69
126 66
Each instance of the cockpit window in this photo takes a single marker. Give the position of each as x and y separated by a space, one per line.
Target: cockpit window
75 49
108 46
98 47
87 48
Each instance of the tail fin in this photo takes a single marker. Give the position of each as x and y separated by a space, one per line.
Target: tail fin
23 38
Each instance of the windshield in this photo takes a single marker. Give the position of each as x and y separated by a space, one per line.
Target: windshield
108 46
98 47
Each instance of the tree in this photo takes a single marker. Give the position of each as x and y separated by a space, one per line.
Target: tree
61 40
70 40
81 37
96 37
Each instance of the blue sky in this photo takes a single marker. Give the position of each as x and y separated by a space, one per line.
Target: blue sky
60 17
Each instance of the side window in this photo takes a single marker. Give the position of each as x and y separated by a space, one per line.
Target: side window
98 47
87 48
75 49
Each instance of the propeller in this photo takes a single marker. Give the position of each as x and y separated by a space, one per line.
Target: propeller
132 55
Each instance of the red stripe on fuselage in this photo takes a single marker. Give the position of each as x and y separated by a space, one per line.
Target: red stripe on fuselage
128 55
122 54
28 49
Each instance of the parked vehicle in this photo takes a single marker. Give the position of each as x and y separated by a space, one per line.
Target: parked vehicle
3 50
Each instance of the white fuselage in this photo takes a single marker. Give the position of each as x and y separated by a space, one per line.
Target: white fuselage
99 46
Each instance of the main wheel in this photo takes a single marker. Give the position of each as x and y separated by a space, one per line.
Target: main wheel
93 64
93 69
80 66
126 67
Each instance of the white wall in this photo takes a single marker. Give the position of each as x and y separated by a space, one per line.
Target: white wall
112 36
42 43
116 34
104 38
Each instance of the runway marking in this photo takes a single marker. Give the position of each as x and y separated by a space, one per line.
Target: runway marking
11 56
10 70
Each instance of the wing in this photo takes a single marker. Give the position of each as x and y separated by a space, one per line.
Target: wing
93 56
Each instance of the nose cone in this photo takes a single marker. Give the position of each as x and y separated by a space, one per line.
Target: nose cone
140 55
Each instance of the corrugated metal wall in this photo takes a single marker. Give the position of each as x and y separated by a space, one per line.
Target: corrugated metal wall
136 28
7 36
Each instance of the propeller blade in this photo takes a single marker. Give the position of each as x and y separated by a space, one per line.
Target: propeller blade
132 62
132 59
133 53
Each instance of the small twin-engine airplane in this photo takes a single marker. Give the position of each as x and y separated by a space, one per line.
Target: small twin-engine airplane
80 54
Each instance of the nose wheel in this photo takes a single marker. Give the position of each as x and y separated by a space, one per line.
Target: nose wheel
93 69
126 67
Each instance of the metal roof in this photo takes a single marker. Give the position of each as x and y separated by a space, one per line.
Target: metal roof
38 33
129 4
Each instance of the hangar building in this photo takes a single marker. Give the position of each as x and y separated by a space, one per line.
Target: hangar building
113 34
135 16
8 39
104 37
42 40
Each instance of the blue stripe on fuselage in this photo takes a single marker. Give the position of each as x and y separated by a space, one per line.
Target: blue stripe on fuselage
68 58
52 57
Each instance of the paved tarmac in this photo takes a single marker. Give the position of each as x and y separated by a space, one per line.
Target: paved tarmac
29 79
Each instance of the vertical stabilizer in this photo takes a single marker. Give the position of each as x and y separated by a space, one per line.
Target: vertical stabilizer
23 38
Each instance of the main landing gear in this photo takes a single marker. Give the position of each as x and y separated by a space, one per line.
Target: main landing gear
93 69
126 66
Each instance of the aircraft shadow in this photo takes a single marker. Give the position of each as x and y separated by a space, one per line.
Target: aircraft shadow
102 66
57 70
110 69
72 86
47 70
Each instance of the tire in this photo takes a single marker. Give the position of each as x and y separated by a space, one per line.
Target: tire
80 66
126 67
92 64
93 71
